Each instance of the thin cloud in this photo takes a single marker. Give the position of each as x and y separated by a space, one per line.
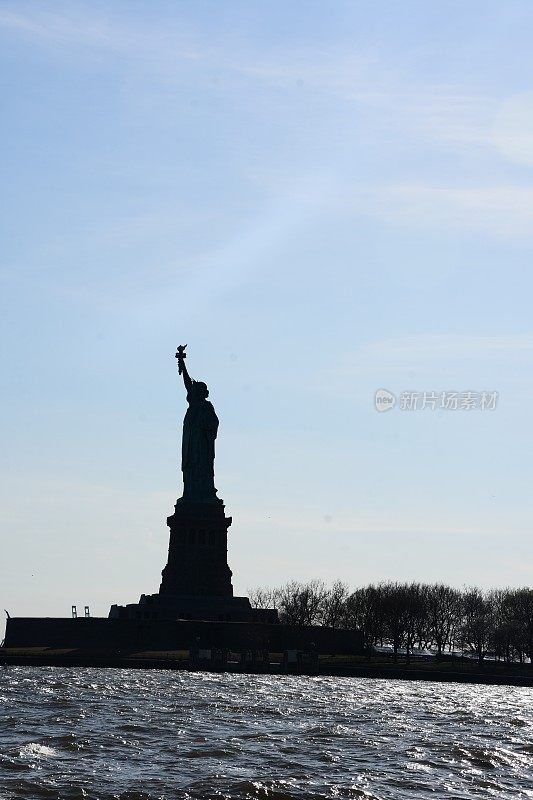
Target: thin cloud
503 212
98 32
438 352
450 346
395 101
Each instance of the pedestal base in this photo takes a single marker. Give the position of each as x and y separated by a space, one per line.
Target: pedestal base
196 581
197 563
190 607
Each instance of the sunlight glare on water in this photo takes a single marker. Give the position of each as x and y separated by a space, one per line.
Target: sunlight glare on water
142 735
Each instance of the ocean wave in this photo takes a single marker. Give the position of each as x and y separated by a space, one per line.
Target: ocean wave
38 750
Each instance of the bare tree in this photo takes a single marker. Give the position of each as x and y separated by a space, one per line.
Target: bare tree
263 597
334 605
478 622
364 612
415 614
301 603
443 606
395 613
521 604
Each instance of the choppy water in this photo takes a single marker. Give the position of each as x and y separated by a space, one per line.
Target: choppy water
138 735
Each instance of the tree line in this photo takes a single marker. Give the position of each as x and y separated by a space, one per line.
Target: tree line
409 616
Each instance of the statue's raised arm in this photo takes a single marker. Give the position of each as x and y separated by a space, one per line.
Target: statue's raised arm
181 355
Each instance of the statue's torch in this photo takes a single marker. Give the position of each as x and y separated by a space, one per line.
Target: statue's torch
181 355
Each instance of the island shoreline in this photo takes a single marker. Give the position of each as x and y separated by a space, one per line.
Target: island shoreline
377 671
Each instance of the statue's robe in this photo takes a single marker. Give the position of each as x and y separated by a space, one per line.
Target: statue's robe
198 451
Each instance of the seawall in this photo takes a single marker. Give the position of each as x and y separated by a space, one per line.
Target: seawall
111 635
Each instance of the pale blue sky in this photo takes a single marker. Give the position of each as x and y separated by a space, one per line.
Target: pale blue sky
321 199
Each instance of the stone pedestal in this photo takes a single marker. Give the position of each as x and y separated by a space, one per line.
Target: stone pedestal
197 563
196 581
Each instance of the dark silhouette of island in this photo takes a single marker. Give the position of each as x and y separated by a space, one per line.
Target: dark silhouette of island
195 609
